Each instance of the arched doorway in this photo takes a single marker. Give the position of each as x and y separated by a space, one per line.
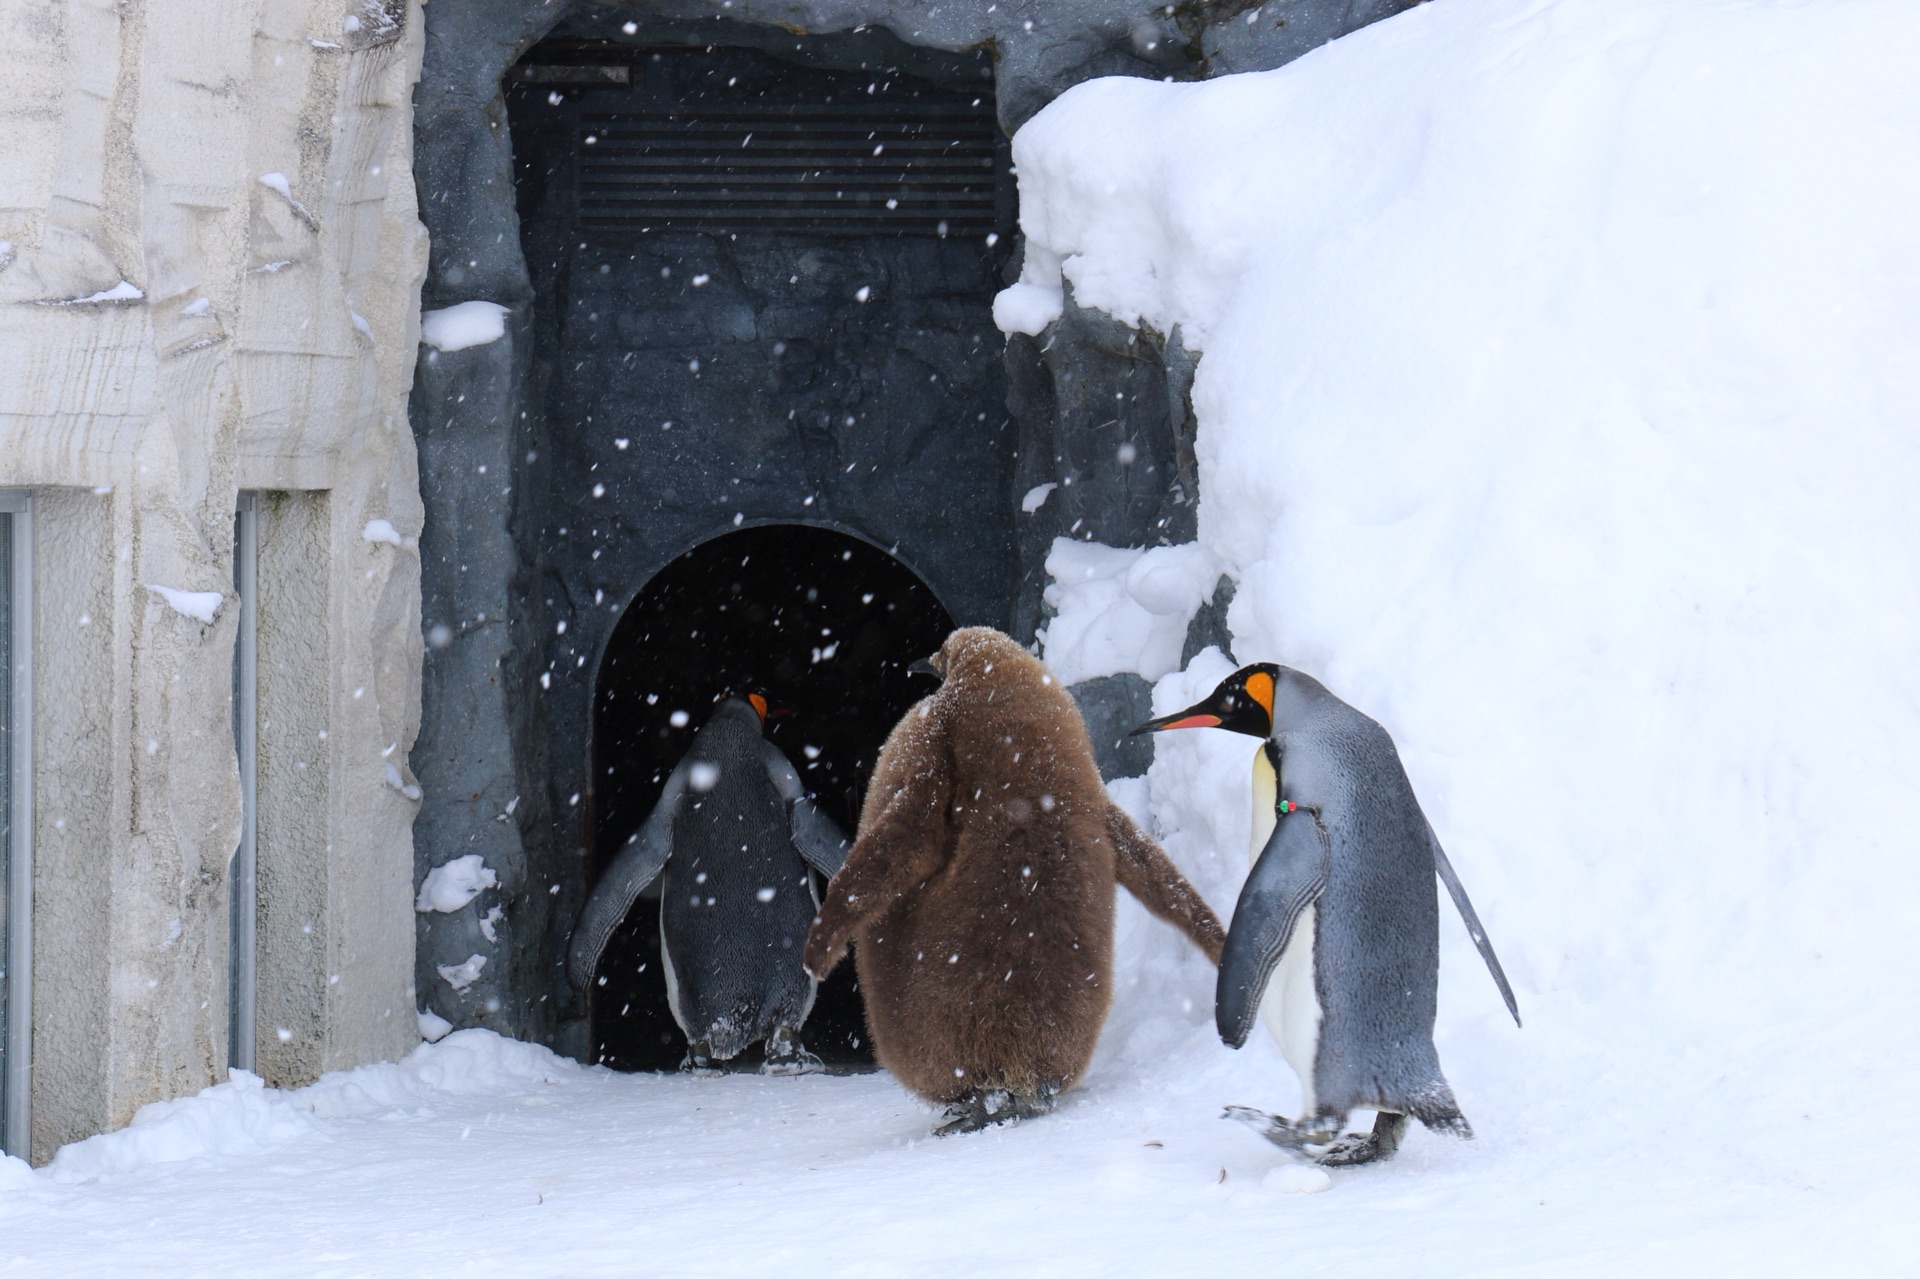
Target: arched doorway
827 624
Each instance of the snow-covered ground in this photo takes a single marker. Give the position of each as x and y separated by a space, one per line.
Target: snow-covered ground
1559 405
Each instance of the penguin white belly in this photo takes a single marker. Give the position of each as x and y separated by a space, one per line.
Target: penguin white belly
673 983
1291 1008
1291 1005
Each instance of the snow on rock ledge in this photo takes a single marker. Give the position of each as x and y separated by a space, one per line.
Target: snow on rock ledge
201 606
451 886
455 328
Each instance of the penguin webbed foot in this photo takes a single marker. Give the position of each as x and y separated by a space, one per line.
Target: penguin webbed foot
991 1107
786 1055
699 1062
1357 1148
1320 1138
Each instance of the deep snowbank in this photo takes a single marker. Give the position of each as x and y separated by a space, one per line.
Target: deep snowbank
1560 406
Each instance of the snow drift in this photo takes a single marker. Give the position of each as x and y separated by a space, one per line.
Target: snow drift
1557 405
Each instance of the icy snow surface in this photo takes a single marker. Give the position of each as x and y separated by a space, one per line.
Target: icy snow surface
455 328
1561 366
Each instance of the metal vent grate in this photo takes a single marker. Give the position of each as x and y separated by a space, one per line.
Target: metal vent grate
918 168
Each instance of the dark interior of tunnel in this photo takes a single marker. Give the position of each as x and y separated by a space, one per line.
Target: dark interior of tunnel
827 625
762 277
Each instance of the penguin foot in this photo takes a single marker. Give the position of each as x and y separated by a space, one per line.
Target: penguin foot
699 1063
990 1107
1353 1148
786 1056
1285 1133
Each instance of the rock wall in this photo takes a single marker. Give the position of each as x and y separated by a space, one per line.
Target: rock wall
209 262
1077 394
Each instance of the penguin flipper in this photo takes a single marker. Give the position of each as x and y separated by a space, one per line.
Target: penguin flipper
1471 918
629 875
818 838
1144 869
1290 872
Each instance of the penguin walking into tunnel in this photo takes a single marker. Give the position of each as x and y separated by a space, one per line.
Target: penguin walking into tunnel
1335 939
726 851
979 895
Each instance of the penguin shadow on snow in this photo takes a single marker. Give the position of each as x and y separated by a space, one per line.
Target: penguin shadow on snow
1334 941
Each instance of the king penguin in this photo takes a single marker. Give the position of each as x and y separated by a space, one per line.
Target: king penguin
729 842
1335 939
979 895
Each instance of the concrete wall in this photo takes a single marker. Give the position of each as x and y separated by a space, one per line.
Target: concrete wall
172 330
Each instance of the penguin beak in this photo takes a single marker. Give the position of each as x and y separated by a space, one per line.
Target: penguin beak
923 667
1192 717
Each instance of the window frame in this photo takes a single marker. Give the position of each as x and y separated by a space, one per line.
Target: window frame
16 1028
243 914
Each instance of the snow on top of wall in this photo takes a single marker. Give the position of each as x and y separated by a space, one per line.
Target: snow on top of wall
201 606
1118 610
1556 409
451 886
455 328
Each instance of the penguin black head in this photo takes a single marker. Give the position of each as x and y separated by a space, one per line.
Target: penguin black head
764 704
1242 704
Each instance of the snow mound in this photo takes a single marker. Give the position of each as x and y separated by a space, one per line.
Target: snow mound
434 1027
238 1117
455 328
16 1175
1118 610
1555 408
451 886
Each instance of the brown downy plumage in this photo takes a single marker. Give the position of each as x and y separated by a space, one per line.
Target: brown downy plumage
980 889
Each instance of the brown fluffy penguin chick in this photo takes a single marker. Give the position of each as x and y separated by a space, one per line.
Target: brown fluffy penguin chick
979 892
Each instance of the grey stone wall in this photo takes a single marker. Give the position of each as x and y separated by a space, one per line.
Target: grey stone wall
1097 409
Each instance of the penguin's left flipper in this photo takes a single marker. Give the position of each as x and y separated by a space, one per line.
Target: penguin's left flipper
816 837
629 875
1144 869
1285 880
1471 918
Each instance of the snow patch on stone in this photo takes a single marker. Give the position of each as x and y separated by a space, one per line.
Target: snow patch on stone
451 886
1027 307
1118 609
201 606
455 328
462 975
434 1027
384 531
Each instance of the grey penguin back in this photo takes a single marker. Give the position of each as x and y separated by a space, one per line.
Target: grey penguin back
736 898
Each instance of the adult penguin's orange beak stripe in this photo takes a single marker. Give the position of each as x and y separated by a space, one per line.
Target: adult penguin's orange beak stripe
1189 718
759 704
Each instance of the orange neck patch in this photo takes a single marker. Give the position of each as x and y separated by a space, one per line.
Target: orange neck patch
1260 689
759 705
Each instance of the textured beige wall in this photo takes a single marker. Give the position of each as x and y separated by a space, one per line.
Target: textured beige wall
264 341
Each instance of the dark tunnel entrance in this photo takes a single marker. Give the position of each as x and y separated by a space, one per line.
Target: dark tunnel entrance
824 622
